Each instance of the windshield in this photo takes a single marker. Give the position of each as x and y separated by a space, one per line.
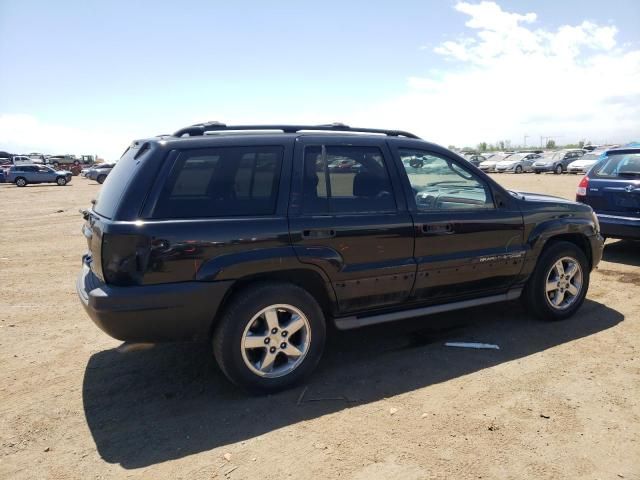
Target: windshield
516 157
590 156
553 156
498 157
619 166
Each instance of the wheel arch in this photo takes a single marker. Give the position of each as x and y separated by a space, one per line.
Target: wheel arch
307 278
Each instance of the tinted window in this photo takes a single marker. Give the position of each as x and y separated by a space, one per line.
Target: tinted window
439 184
222 182
346 179
117 182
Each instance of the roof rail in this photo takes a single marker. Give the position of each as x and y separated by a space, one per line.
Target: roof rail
201 128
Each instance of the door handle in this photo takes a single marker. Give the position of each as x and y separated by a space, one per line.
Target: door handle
438 229
319 233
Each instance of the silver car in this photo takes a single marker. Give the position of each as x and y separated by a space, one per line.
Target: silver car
518 163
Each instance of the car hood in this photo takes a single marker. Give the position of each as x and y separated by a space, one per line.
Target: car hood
537 197
582 163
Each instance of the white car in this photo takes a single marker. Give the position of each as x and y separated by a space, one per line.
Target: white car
585 162
489 165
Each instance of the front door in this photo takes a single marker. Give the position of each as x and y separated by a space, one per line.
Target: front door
468 243
349 217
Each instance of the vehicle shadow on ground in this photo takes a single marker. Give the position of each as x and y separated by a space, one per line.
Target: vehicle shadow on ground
623 251
170 401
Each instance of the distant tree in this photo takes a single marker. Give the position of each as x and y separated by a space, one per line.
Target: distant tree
482 146
508 144
581 143
551 143
501 144
451 147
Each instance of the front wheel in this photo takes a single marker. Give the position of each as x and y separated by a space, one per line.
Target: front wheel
558 170
21 182
559 283
61 181
518 169
101 179
269 337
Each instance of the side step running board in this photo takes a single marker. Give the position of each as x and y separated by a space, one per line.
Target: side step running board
347 323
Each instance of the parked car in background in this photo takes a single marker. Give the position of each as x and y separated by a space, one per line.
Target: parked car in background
517 163
56 160
556 162
3 177
584 163
475 159
37 158
21 160
100 172
612 189
489 165
22 175
249 242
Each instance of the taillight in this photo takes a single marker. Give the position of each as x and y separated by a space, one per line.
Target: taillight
124 258
582 187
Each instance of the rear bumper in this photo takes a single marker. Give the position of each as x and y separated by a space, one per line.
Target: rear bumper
151 313
619 227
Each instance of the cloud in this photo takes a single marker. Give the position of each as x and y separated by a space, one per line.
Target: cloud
507 77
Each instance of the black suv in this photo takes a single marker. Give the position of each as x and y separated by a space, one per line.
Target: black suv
256 236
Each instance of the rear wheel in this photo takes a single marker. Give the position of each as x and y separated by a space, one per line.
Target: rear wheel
269 337
21 182
558 170
101 179
559 283
61 181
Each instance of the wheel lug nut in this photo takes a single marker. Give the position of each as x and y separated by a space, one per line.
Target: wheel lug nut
267 340
272 349
283 345
285 333
274 330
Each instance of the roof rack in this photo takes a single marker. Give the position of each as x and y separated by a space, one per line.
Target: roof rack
201 128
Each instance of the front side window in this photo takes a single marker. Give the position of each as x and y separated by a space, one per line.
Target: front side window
346 179
441 185
222 182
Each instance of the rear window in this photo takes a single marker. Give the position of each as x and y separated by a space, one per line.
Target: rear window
222 182
621 165
115 185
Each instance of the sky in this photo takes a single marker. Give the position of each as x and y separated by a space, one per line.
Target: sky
88 77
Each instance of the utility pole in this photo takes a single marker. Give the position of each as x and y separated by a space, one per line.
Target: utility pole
525 140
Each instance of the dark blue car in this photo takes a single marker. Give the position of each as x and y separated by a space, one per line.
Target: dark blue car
612 188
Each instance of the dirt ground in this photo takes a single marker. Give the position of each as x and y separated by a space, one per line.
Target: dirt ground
558 400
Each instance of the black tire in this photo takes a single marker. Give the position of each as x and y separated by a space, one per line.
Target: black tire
61 181
518 169
56 164
538 172
76 162
101 179
21 182
535 296
229 332
558 169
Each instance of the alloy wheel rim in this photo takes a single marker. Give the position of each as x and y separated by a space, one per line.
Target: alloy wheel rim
564 283
275 341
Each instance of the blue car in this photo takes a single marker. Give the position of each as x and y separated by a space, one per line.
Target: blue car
22 175
612 188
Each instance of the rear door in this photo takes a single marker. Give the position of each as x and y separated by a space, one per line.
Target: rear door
352 222
469 238
614 185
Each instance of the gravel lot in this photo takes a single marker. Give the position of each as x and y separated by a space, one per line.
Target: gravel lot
556 401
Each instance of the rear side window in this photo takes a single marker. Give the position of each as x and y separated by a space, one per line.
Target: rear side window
346 179
222 182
